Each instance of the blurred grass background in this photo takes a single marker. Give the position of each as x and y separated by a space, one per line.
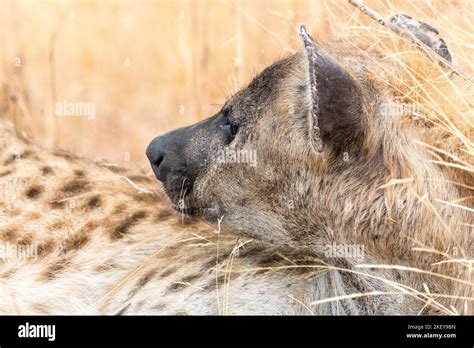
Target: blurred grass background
151 66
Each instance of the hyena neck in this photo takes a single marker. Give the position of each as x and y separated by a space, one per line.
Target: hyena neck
378 210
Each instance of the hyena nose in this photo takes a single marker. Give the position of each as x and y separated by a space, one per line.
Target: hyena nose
156 153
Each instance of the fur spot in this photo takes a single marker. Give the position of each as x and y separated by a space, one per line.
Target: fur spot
79 173
76 186
46 248
145 279
93 203
115 169
10 234
8 273
34 192
46 170
190 278
9 160
57 204
164 215
119 208
220 279
56 268
76 242
57 225
212 283
109 265
160 307
6 172
123 228
25 240
167 272
32 215
176 287
269 261
211 264
92 225
28 154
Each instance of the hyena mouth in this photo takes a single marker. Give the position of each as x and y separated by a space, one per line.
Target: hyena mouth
182 198
188 205
207 213
179 193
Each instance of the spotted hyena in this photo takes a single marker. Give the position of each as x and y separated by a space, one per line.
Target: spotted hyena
301 196
324 155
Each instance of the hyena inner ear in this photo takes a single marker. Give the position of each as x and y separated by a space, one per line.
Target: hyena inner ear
335 113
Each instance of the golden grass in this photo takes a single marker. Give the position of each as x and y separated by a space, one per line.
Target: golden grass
428 298
151 66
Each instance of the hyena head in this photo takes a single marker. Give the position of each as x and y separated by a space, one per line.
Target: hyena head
286 160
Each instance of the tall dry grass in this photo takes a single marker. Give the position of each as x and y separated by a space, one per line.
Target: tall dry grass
151 66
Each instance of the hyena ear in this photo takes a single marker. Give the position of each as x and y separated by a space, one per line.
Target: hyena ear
335 112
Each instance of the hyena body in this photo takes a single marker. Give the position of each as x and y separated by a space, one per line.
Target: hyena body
332 171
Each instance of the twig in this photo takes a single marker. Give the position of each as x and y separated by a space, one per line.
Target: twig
408 35
135 185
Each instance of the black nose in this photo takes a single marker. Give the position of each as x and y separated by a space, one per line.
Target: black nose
156 153
168 155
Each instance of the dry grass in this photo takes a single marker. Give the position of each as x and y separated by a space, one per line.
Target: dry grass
151 66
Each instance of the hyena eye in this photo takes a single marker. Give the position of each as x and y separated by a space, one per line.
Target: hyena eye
234 129
229 130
